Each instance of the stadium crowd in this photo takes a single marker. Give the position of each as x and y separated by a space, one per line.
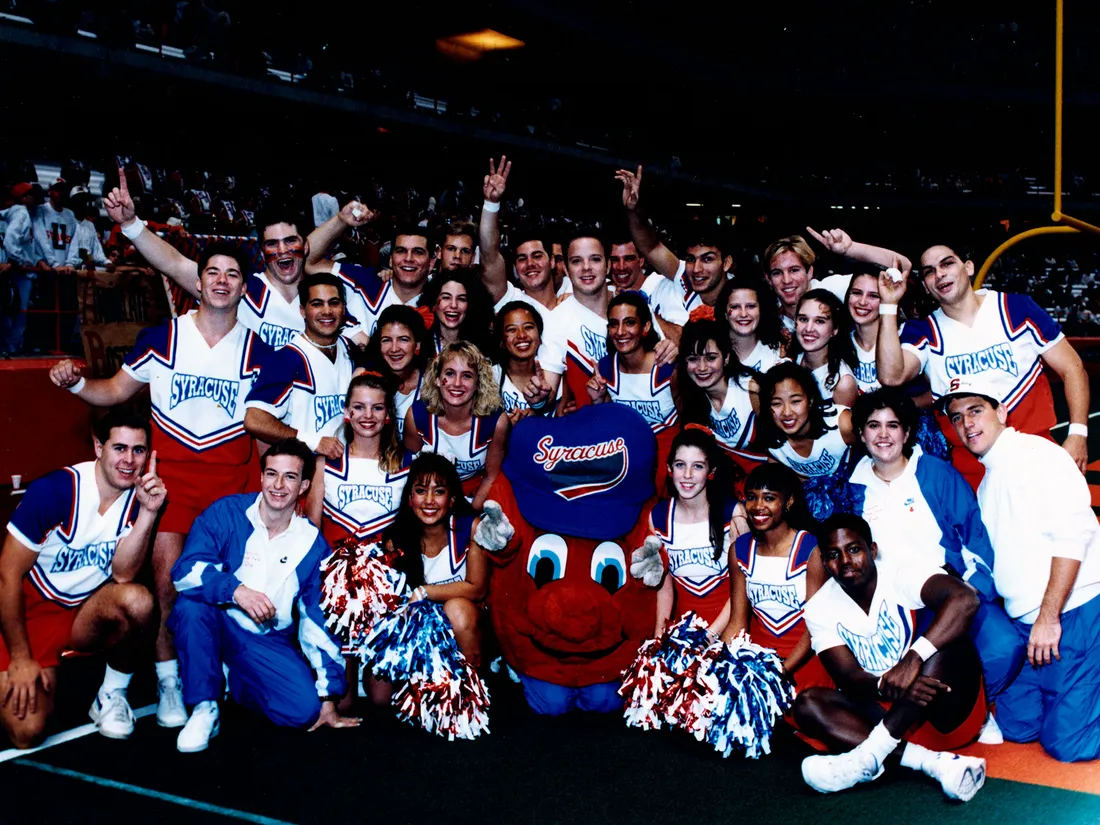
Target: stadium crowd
895 464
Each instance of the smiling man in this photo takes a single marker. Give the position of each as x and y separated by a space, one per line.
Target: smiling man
199 369
1046 541
250 586
1002 339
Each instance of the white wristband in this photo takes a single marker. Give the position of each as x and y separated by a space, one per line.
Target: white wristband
489 206
924 648
79 385
134 229
1079 429
887 309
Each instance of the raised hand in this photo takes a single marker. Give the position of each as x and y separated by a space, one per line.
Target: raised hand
65 374
118 203
537 391
355 213
494 531
835 240
597 389
150 490
632 185
646 562
889 290
497 179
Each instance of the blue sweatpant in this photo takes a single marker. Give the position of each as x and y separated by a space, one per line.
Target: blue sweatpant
554 700
999 647
1059 703
267 672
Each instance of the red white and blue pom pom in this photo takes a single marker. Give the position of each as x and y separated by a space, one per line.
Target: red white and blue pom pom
688 679
358 588
415 647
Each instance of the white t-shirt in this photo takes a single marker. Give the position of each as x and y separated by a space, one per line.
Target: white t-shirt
514 293
575 331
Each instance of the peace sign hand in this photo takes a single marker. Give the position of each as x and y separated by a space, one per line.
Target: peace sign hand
118 203
497 179
632 185
835 240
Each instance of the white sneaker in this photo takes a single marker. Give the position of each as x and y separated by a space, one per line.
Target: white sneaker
960 776
112 714
829 774
200 728
171 712
991 732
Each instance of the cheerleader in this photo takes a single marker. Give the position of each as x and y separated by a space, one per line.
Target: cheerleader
629 374
756 337
519 335
695 526
802 431
400 349
459 416
775 569
462 310
718 391
357 494
823 344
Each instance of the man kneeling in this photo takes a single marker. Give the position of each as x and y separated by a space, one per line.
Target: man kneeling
247 562
916 699
74 546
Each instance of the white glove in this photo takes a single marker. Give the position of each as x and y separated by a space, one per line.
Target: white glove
494 531
646 562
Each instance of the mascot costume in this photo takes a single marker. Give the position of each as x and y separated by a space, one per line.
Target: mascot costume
569 615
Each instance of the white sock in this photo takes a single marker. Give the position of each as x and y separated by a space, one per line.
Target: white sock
168 670
880 743
915 756
114 680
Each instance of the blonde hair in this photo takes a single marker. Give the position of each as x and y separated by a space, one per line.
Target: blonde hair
792 243
486 396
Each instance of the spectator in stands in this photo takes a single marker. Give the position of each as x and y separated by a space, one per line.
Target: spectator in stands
85 250
457 250
28 259
54 227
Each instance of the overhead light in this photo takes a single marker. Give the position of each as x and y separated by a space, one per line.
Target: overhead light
866 207
693 204
735 206
472 45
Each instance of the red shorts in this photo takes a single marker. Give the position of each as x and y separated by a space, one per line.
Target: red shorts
49 628
193 486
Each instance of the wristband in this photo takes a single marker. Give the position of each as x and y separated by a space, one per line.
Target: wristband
489 206
1079 429
924 648
887 309
79 385
134 229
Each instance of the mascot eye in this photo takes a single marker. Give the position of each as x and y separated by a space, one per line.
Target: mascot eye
546 560
609 566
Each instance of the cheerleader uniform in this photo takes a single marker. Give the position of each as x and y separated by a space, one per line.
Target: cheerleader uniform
763 358
776 588
402 401
361 499
828 455
734 427
651 396
700 582
821 376
449 566
467 451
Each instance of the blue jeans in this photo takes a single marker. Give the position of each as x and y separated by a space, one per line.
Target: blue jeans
15 317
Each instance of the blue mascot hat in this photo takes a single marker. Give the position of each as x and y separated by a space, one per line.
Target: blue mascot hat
587 474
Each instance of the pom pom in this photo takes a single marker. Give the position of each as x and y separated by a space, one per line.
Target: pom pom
729 697
931 438
895 275
415 648
701 313
428 316
358 588
825 495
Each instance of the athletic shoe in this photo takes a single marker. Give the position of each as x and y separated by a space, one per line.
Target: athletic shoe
112 714
200 728
991 732
171 712
829 774
960 776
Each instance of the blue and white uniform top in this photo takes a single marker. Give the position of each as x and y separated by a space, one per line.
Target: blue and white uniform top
880 637
763 358
649 394
402 401
266 312
59 520
367 294
197 391
512 396
866 372
734 426
229 546
828 454
821 376
776 586
449 565
928 515
467 451
360 497
301 387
